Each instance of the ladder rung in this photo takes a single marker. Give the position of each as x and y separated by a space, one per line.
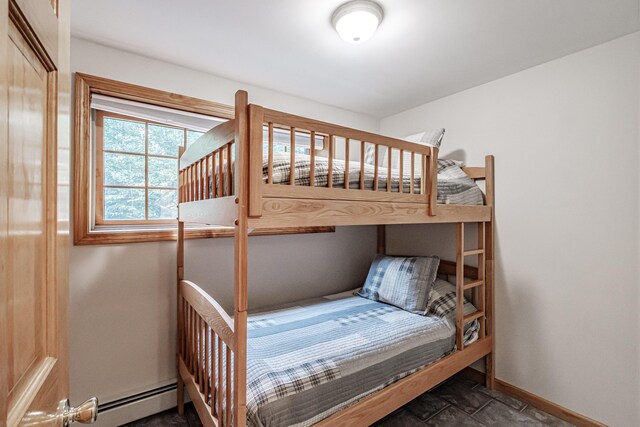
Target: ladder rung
472 316
473 252
471 285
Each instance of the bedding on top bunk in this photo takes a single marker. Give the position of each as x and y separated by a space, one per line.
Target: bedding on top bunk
308 361
454 186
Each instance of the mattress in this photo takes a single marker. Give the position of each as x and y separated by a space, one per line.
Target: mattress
308 361
454 186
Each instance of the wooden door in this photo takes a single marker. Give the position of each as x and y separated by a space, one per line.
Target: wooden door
34 204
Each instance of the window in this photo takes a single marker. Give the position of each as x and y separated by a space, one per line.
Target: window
125 161
136 169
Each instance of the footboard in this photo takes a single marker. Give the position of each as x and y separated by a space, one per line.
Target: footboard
206 350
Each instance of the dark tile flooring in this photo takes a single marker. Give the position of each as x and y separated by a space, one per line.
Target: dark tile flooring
458 402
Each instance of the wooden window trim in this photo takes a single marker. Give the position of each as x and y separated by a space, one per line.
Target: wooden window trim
99 169
83 232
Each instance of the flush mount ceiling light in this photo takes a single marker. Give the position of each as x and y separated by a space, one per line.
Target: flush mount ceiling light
357 20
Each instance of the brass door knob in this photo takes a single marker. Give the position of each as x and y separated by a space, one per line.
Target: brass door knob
86 413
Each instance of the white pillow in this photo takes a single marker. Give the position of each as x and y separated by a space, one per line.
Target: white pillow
431 138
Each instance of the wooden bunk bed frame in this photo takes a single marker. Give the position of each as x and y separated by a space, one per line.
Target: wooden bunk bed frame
237 197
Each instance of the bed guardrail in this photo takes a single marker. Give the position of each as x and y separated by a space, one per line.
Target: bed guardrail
206 349
334 154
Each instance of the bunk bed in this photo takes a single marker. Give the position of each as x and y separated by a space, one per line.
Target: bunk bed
232 176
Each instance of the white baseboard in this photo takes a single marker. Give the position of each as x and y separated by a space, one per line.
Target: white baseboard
136 409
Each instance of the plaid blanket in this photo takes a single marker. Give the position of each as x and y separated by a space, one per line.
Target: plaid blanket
454 186
309 361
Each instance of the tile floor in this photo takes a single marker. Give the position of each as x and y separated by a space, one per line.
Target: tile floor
459 402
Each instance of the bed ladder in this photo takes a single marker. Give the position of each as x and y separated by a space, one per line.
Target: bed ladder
477 285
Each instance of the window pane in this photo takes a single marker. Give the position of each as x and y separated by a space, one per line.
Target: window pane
123 203
123 169
123 135
163 172
192 135
164 140
162 204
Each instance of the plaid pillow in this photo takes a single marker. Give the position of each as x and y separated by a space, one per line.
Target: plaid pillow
401 281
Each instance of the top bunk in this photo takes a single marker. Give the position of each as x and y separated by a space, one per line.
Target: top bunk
340 176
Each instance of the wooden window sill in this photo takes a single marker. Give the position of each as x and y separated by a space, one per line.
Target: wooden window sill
131 234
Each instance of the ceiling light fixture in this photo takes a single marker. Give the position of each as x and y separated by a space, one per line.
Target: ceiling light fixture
357 20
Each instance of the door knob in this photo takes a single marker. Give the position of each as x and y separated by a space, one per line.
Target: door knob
86 413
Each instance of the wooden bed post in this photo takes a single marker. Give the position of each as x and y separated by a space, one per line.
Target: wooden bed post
179 277
382 239
489 270
433 181
241 185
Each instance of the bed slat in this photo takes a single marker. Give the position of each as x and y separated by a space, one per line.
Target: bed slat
362 150
270 154
460 285
312 159
375 167
292 161
219 390
330 163
389 154
228 392
346 163
229 171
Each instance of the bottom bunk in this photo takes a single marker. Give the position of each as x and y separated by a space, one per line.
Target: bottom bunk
325 361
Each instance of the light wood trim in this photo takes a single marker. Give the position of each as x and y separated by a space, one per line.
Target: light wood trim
376 406
229 170
270 154
362 154
208 142
108 87
489 267
480 293
312 160
401 172
345 132
280 212
41 28
433 181
300 192
389 170
534 400
256 119
413 172
241 261
546 405
474 172
473 316
202 408
472 285
449 268
472 252
102 237
221 167
460 285
85 86
218 395
292 156
346 163
376 160
329 163
209 310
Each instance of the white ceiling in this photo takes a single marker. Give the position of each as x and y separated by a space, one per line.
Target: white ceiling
423 50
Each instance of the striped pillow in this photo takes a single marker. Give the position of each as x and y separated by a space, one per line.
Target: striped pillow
401 281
